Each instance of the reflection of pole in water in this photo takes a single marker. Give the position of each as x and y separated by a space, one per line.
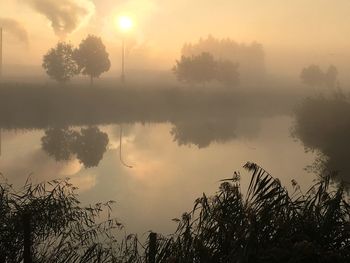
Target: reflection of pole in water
120 148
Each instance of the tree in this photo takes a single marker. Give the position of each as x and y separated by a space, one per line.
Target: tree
250 56
203 68
227 72
196 69
92 57
314 76
331 76
59 63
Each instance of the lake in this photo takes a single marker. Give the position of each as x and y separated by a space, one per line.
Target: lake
173 162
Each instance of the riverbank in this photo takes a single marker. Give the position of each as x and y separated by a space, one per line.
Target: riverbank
25 106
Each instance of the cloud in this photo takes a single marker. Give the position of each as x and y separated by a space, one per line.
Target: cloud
65 15
15 28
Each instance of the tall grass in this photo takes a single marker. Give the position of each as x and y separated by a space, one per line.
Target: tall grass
265 224
61 229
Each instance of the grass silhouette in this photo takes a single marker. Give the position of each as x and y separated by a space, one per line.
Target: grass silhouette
265 224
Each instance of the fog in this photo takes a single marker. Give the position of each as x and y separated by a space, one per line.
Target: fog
293 34
152 102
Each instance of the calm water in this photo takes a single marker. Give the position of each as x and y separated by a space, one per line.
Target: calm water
172 164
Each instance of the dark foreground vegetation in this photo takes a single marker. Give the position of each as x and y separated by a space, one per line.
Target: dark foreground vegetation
322 124
265 224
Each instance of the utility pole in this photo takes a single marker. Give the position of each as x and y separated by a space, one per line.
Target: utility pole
0 52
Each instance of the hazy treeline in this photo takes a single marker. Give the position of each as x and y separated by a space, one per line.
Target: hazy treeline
250 57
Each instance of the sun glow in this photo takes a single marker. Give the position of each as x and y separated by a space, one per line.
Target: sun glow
125 23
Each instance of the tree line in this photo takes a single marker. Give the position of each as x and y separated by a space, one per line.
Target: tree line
204 68
64 61
313 76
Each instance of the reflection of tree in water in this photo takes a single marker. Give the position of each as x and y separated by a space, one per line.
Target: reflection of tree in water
89 145
202 134
323 125
57 143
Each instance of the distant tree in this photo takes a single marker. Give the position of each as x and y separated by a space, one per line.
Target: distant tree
227 73
331 76
92 57
314 76
204 68
59 63
250 56
196 69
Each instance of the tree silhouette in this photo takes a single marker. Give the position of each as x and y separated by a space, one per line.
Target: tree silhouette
196 69
57 143
92 57
203 133
90 146
251 56
59 63
314 76
203 68
331 76
227 73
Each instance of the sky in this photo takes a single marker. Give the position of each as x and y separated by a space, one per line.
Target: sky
294 29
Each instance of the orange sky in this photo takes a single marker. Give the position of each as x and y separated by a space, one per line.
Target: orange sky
162 26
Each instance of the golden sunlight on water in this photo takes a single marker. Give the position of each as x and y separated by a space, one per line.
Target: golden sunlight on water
166 178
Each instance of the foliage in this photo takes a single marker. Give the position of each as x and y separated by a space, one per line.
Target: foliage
196 69
322 125
203 133
88 145
227 72
250 57
314 76
57 143
59 63
267 224
203 68
92 57
63 231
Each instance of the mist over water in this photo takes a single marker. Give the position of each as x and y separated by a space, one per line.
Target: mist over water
152 103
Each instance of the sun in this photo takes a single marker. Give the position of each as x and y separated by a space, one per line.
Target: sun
125 23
